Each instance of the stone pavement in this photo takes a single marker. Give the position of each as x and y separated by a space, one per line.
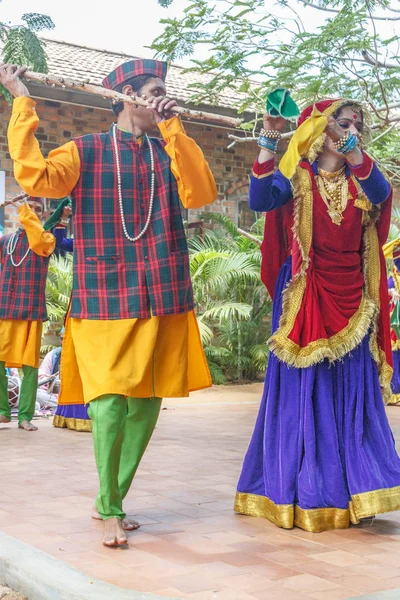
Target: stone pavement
191 544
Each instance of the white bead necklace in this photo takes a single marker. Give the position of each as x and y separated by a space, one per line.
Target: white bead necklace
152 181
11 245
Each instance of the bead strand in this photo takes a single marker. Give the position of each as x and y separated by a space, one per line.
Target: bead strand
120 198
11 246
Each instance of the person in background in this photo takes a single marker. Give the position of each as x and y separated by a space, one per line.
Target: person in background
24 259
391 251
49 377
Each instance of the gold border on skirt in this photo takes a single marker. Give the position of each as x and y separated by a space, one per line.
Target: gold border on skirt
72 423
316 520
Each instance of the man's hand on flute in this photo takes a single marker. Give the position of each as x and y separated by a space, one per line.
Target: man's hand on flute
16 201
161 107
10 77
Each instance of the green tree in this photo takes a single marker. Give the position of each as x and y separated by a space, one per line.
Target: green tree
22 46
317 48
58 293
233 307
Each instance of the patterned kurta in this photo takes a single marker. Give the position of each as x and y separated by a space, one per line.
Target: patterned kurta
115 278
159 257
22 291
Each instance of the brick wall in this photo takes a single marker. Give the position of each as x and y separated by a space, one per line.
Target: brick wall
60 122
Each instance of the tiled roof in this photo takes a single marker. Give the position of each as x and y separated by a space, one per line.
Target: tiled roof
81 63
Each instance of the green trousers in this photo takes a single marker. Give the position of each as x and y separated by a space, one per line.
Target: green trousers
121 429
27 393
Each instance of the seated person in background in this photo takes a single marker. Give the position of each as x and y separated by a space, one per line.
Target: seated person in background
14 384
49 379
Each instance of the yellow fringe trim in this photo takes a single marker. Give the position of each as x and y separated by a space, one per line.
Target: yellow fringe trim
331 348
316 520
72 423
372 274
362 199
395 345
292 296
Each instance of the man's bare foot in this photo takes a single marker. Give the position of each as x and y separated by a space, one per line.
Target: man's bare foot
4 419
128 524
27 425
113 533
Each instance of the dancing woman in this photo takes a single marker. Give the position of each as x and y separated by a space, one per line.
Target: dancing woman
322 454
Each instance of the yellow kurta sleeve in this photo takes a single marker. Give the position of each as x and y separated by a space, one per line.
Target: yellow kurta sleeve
196 184
54 177
41 242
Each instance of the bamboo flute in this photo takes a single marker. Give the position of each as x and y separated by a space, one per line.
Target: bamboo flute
251 237
97 90
17 198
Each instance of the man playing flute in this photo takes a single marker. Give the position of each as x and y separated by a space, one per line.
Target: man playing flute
131 337
24 261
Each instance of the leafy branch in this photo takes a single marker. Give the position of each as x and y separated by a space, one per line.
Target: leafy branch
22 46
253 47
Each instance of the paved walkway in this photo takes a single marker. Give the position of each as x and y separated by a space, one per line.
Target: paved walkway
191 544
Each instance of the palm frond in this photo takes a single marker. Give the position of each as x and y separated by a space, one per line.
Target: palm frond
206 333
225 311
222 220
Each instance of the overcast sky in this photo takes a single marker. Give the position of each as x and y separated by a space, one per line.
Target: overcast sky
134 25
91 23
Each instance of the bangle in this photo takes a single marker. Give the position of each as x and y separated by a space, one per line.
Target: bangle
347 143
268 144
273 134
63 222
343 140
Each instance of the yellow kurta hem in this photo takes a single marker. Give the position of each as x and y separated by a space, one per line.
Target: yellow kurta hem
140 358
20 343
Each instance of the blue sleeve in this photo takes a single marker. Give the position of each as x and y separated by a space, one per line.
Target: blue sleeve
268 190
374 184
62 242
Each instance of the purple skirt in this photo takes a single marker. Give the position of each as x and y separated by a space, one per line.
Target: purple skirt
322 453
396 374
73 416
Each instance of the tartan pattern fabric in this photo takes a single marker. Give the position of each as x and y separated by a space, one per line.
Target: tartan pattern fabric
133 68
113 277
22 289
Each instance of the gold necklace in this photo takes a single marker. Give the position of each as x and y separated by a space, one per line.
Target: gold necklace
334 190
